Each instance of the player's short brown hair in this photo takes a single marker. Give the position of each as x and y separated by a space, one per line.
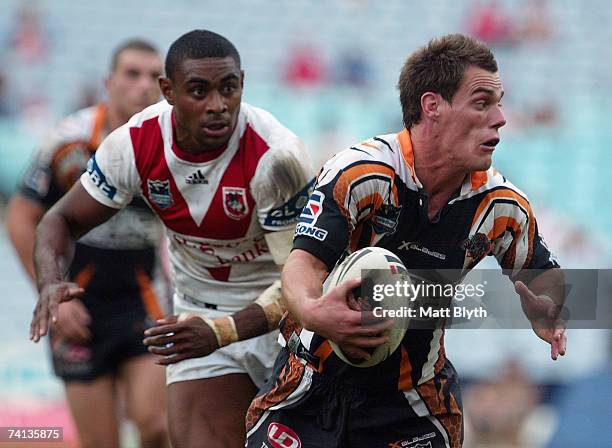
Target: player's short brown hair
132 44
438 67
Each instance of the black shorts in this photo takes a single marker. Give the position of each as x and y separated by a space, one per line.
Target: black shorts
329 414
122 305
114 340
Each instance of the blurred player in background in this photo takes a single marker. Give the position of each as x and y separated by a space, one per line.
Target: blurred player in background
96 343
430 195
229 182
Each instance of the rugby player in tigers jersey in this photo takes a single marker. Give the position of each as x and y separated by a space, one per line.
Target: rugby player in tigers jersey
96 345
430 195
229 182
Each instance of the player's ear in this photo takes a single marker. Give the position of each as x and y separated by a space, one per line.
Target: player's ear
165 85
107 82
430 103
241 79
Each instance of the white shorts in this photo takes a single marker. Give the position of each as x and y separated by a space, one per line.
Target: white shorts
255 356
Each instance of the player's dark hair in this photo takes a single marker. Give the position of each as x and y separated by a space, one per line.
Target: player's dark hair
439 67
132 44
199 44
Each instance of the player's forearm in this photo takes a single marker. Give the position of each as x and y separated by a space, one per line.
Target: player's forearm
251 322
255 320
550 283
22 234
54 249
22 217
302 280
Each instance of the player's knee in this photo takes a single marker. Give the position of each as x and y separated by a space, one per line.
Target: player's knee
96 441
214 435
151 428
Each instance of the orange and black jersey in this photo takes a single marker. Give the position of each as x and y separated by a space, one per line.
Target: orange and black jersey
369 195
115 261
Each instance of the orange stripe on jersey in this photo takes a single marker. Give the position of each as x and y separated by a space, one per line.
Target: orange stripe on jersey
84 276
530 238
349 176
502 193
149 298
67 148
375 199
478 179
404 381
501 224
98 127
406 147
323 352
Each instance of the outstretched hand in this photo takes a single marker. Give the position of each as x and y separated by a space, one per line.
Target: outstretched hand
51 295
331 317
544 315
176 340
73 322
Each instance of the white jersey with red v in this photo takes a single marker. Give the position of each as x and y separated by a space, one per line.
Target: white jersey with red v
216 206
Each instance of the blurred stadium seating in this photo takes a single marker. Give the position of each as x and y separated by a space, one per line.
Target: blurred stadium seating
567 73
555 147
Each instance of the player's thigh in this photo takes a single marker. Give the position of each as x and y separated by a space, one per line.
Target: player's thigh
209 412
144 385
93 407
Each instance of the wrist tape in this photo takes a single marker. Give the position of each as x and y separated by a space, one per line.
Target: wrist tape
224 327
273 304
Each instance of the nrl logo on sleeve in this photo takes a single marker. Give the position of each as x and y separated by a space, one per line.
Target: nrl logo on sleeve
313 208
308 218
235 202
159 193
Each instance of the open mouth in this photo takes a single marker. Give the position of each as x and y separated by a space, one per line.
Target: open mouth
491 144
216 128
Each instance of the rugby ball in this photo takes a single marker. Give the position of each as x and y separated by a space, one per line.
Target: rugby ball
375 266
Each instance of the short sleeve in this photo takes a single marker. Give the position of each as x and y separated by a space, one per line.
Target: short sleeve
338 214
282 183
111 177
37 183
519 248
58 161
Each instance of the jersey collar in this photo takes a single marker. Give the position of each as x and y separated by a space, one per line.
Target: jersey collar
473 182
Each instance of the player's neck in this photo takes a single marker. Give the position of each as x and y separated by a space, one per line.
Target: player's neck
436 174
114 117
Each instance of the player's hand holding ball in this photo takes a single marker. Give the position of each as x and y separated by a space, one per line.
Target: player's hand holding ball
331 317
347 320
